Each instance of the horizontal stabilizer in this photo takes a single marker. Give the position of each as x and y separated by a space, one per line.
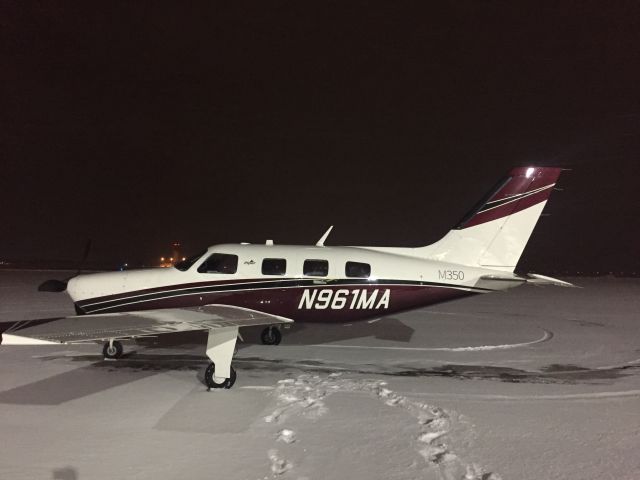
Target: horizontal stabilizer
499 282
542 280
502 282
502 278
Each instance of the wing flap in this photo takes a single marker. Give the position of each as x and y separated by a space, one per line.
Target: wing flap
91 328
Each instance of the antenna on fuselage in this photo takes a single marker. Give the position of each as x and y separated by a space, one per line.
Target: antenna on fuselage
320 243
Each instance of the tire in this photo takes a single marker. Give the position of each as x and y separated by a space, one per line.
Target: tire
112 352
209 377
271 336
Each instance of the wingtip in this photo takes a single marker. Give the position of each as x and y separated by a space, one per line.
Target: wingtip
9 339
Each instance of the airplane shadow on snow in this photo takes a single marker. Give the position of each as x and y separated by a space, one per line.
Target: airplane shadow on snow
104 374
98 375
299 334
101 375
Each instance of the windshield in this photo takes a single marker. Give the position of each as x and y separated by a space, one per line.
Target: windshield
184 265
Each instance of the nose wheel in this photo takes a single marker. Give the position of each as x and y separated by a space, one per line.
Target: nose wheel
112 349
218 382
271 336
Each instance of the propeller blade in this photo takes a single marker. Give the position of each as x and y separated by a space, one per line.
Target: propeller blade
53 286
83 260
58 286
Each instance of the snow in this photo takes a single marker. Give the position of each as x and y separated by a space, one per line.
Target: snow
533 383
287 436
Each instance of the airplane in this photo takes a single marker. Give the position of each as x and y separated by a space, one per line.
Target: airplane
231 286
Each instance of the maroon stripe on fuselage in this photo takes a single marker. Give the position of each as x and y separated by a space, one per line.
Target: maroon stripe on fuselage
286 301
164 288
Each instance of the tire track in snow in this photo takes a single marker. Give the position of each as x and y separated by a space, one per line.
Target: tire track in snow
497 397
305 395
547 335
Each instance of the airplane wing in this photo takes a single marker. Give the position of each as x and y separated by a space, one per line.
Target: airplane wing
102 327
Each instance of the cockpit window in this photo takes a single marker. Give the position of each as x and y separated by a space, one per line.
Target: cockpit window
219 263
185 265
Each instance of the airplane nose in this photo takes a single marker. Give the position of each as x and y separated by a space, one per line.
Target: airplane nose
92 285
72 288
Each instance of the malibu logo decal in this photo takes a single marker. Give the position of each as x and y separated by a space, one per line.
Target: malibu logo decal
358 299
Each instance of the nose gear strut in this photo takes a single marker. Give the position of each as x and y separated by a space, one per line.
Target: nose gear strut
221 344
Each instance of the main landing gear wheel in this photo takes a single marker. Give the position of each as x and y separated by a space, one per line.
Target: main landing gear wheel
271 336
218 382
112 350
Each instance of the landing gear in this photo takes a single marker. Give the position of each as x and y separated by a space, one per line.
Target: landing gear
112 349
271 336
218 382
220 348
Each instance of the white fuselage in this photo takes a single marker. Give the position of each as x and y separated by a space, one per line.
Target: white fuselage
397 281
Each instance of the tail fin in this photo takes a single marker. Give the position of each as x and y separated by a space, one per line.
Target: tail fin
494 233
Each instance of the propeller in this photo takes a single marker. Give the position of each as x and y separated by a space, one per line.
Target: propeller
57 286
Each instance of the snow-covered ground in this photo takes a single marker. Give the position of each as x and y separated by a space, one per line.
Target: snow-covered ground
536 383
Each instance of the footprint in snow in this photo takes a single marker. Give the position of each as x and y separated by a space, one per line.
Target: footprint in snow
278 464
286 435
304 396
429 437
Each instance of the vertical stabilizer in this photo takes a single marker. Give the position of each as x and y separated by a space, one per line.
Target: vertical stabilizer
494 233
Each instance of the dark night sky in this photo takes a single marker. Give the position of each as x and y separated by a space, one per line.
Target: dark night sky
135 124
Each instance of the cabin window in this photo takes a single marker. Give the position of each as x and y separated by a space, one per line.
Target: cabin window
316 268
219 263
357 270
274 266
